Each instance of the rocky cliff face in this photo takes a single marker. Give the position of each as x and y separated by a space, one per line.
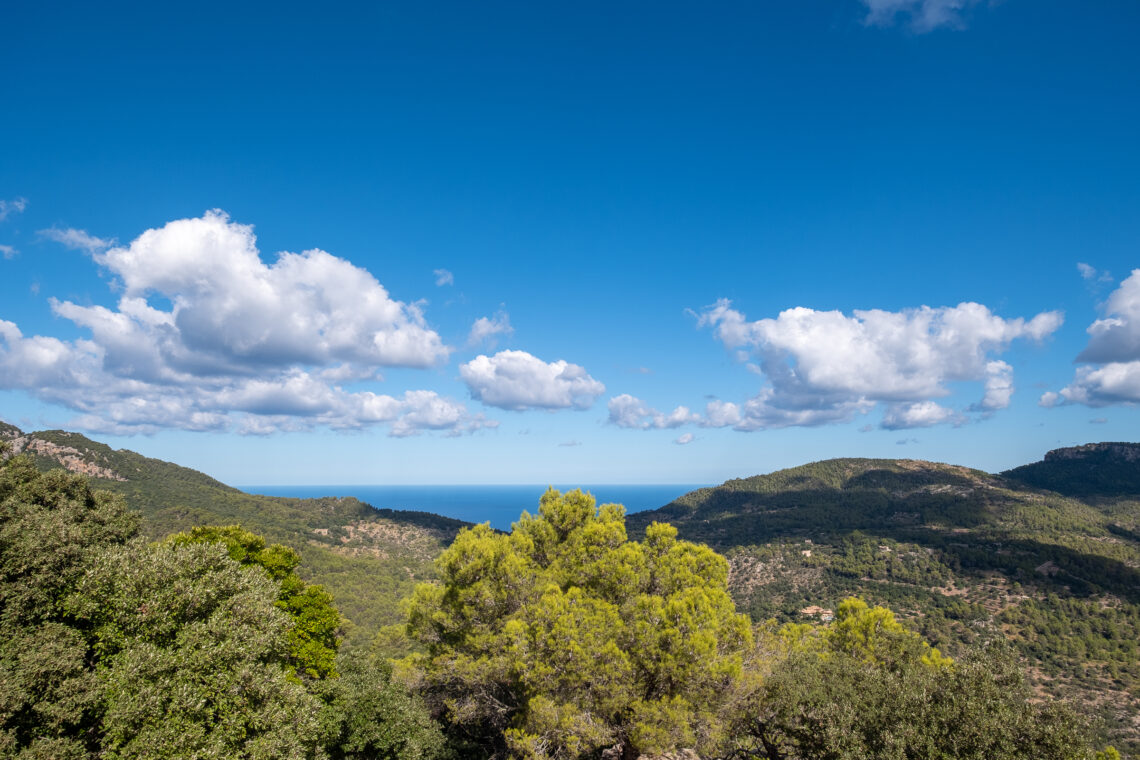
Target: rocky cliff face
83 461
1124 452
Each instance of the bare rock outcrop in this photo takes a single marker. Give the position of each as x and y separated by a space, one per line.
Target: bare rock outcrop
69 457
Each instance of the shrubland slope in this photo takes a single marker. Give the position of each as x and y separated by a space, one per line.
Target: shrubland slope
962 553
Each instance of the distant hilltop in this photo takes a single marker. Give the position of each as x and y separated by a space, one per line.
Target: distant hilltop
1127 452
1092 470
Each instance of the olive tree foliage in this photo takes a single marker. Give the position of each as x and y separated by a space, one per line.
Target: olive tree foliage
371 716
867 688
192 652
50 527
565 638
365 714
315 621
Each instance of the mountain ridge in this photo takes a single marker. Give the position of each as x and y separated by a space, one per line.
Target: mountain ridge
1107 469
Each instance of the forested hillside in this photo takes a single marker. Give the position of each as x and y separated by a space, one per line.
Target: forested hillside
962 554
369 559
563 640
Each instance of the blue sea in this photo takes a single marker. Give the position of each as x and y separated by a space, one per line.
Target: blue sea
499 505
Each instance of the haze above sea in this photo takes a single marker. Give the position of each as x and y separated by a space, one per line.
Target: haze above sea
499 505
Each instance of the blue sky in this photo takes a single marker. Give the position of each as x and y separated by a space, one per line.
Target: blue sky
528 243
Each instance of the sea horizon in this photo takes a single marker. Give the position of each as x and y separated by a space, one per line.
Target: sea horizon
500 505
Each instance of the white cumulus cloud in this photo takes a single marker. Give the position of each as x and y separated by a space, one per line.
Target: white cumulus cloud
998 386
427 410
826 366
1116 337
7 251
1107 385
721 414
517 380
45 362
685 438
920 15
443 277
1111 374
236 343
631 412
232 313
917 414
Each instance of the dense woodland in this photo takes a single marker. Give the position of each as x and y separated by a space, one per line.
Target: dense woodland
170 631
368 559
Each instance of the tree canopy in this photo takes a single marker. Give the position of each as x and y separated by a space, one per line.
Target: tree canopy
565 637
866 688
313 634
50 527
